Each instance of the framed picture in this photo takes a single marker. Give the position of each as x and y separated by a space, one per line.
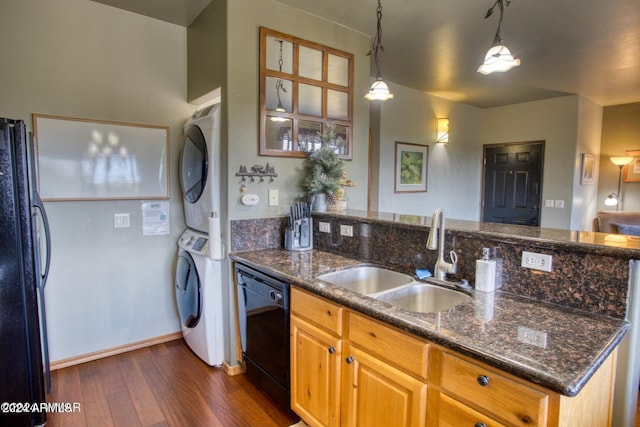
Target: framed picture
80 159
411 167
588 168
632 170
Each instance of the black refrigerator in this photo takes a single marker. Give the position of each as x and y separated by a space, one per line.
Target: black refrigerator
25 252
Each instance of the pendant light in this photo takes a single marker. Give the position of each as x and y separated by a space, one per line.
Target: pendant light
498 58
379 89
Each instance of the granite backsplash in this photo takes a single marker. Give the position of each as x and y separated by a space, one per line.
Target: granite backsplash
583 277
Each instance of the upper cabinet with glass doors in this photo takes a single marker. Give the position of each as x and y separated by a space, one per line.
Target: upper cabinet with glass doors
304 87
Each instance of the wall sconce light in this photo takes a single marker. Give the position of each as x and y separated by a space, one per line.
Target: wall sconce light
613 199
442 131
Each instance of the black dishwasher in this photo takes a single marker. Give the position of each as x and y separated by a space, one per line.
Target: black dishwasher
263 305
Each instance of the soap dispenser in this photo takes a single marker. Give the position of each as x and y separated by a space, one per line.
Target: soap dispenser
485 272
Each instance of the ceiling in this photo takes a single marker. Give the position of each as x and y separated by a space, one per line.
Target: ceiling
586 47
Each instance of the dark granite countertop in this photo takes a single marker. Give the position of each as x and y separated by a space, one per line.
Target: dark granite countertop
487 327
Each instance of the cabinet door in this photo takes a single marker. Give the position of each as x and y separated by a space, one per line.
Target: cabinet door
377 394
315 374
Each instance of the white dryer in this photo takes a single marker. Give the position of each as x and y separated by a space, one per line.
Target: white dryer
198 286
200 167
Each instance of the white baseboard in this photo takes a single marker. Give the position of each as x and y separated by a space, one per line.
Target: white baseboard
76 360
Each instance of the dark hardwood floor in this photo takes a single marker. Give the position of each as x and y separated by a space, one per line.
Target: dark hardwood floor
162 385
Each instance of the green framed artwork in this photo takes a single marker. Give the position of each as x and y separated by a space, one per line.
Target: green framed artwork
411 167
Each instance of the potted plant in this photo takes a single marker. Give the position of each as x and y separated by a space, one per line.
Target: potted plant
324 170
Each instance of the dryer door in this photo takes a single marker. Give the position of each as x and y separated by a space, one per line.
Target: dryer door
188 290
194 165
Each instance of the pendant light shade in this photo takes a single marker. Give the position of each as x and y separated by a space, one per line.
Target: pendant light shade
498 57
379 90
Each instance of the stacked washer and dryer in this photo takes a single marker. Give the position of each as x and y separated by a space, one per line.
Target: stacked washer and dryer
200 270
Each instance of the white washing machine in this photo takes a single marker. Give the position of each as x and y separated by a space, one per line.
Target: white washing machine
198 286
200 167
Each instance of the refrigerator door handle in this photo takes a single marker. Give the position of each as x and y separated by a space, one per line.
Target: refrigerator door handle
37 203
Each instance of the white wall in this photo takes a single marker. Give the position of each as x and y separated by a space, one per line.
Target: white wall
554 121
245 18
78 58
585 196
454 170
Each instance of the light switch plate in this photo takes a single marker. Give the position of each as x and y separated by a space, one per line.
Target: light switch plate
121 220
273 197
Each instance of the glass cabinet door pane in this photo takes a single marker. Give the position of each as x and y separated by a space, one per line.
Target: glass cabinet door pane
310 63
309 100
273 55
279 134
309 135
338 72
279 95
337 105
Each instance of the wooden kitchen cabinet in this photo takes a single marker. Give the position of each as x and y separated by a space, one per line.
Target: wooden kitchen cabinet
360 382
375 393
351 370
316 350
463 391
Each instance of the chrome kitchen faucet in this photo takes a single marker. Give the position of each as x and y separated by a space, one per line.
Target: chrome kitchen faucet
442 268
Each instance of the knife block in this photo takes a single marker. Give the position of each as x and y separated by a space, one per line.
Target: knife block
300 238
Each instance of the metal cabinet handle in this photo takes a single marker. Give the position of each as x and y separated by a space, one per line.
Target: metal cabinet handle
331 350
480 424
483 380
349 359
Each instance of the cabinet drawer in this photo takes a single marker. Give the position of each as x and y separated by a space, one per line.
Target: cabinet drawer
486 388
396 347
452 413
317 310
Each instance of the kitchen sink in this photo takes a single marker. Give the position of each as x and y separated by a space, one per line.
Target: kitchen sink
367 280
423 298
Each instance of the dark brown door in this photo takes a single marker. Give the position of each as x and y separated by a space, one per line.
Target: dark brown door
512 183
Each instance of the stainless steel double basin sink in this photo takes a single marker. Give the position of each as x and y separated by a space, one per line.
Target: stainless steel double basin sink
397 289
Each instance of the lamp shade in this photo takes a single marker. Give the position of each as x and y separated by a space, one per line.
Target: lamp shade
621 161
379 91
442 131
611 200
499 59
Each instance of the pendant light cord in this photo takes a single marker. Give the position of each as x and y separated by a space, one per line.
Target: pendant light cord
377 40
497 40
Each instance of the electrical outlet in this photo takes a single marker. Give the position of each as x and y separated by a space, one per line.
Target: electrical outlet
121 220
325 227
536 261
346 230
558 204
532 337
273 197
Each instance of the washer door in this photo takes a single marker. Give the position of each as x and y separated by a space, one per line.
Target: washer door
194 164
188 291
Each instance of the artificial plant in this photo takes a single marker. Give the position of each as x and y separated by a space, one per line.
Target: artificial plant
324 167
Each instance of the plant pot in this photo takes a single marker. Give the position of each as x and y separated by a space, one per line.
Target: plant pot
319 202
337 205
